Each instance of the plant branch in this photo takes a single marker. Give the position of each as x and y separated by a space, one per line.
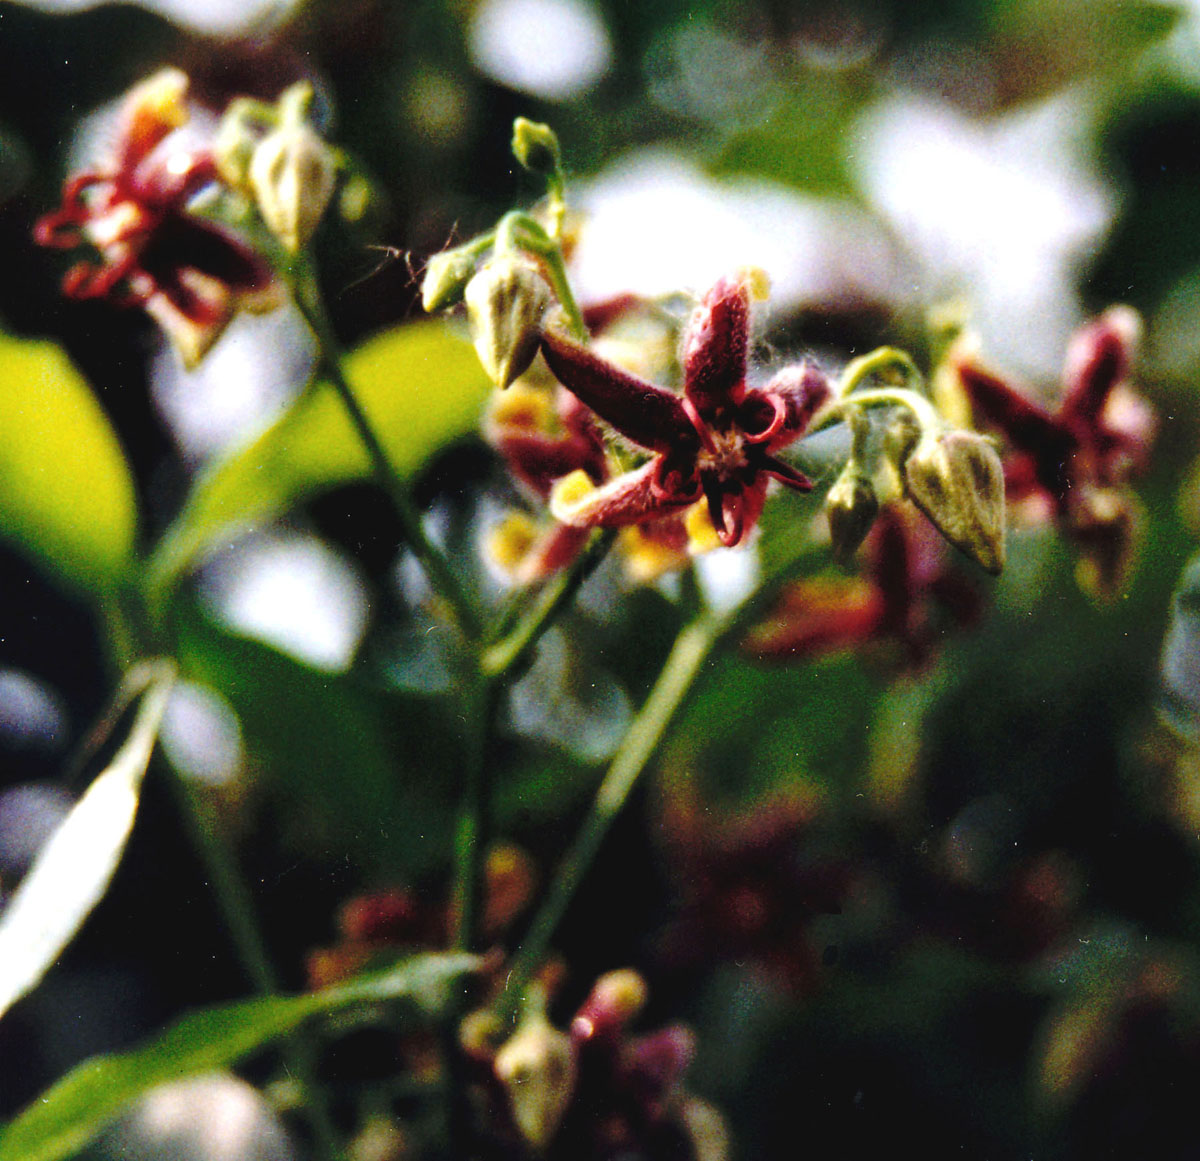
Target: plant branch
433 562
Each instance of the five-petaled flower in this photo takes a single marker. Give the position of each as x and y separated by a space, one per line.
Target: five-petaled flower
717 440
190 275
1072 464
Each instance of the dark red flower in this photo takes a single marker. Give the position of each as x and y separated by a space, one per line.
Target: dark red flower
190 275
1072 463
716 440
907 586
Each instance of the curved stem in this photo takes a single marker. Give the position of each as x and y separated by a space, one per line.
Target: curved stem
430 557
857 371
527 233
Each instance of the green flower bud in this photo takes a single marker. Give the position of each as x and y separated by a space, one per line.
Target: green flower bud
505 304
240 133
293 174
956 479
446 277
851 506
537 1068
535 146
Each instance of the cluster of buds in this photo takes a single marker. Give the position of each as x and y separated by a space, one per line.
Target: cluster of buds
595 1091
1072 464
505 276
953 475
273 154
140 209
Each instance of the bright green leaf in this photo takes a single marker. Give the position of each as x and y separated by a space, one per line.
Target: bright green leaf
421 386
67 1116
66 494
72 871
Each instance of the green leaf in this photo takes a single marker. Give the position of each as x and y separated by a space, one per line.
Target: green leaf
91 1096
72 871
347 764
66 494
420 385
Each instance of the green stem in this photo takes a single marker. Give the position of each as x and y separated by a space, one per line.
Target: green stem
858 370
437 568
236 906
926 413
474 818
526 233
682 667
509 653
693 647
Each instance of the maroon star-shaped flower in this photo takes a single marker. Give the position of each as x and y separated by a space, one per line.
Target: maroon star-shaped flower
716 440
1074 461
191 275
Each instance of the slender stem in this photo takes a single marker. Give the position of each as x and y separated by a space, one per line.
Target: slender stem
858 370
474 818
527 233
506 655
927 415
693 647
430 557
238 912
682 667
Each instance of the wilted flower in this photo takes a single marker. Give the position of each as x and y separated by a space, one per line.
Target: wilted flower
714 442
1072 464
191 275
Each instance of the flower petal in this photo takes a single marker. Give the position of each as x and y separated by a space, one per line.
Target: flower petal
629 499
715 345
644 413
1097 361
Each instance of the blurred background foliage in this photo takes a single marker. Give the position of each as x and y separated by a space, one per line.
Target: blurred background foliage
954 905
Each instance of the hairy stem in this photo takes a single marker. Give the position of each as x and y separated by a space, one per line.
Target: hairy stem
433 562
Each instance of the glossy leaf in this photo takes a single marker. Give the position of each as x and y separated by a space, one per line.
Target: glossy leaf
72 1112
421 386
74 867
66 494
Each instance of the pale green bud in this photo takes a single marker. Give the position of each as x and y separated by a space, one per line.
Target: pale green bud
535 146
537 1068
956 479
446 277
293 173
506 301
851 506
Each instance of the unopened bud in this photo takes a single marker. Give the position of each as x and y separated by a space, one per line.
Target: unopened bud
245 123
956 478
851 506
537 1068
535 146
446 277
505 304
293 174
615 999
